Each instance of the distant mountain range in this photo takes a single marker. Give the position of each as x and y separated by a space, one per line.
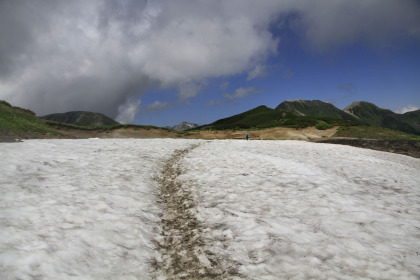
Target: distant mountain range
81 118
311 112
15 121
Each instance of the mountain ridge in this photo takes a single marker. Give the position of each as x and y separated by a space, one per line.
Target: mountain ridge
81 118
373 115
303 113
315 108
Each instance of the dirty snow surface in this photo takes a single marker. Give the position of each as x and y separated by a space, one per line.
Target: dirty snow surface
91 209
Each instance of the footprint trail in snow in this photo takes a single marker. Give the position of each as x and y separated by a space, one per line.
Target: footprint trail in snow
181 245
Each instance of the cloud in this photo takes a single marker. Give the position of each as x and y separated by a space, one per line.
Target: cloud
128 111
258 72
287 74
75 55
225 85
231 98
99 55
187 91
243 93
295 99
349 88
213 102
331 24
407 108
157 106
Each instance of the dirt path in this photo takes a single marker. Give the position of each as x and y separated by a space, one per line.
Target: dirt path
182 252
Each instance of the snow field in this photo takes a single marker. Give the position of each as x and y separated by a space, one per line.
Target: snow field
299 210
80 209
87 209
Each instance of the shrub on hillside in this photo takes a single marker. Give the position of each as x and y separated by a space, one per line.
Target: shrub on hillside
321 125
5 103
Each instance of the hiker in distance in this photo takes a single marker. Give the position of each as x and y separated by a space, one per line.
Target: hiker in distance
246 136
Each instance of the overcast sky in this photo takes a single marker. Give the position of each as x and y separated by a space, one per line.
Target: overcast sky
162 62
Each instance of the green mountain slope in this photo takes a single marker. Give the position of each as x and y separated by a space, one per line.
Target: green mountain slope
412 119
81 118
314 108
16 122
373 115
259 117
264 117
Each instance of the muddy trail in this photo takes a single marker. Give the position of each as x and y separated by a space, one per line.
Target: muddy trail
182 252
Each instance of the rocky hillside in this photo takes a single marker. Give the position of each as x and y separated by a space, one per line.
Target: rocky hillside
185 126
314 108
373 115
81 118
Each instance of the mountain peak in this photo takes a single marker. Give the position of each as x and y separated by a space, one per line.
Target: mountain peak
185 126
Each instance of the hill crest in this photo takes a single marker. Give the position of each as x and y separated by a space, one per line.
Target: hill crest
81 118
373 115
314 108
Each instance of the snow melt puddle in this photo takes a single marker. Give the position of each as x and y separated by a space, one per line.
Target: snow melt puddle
81 209
298 210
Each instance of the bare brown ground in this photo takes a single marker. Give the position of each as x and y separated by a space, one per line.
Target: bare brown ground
278 133
131 132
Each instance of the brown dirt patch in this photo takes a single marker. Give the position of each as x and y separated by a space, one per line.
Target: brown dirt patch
130 132
182 253
404 147
277 133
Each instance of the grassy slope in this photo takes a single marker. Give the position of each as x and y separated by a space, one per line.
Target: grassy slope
18 122
259 117
412 119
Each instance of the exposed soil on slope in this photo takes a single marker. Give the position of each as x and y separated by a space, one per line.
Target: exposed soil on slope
404 147
277 133
130 132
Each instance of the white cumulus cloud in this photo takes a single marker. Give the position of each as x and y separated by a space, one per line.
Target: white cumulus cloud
243 93
128 111
407 108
